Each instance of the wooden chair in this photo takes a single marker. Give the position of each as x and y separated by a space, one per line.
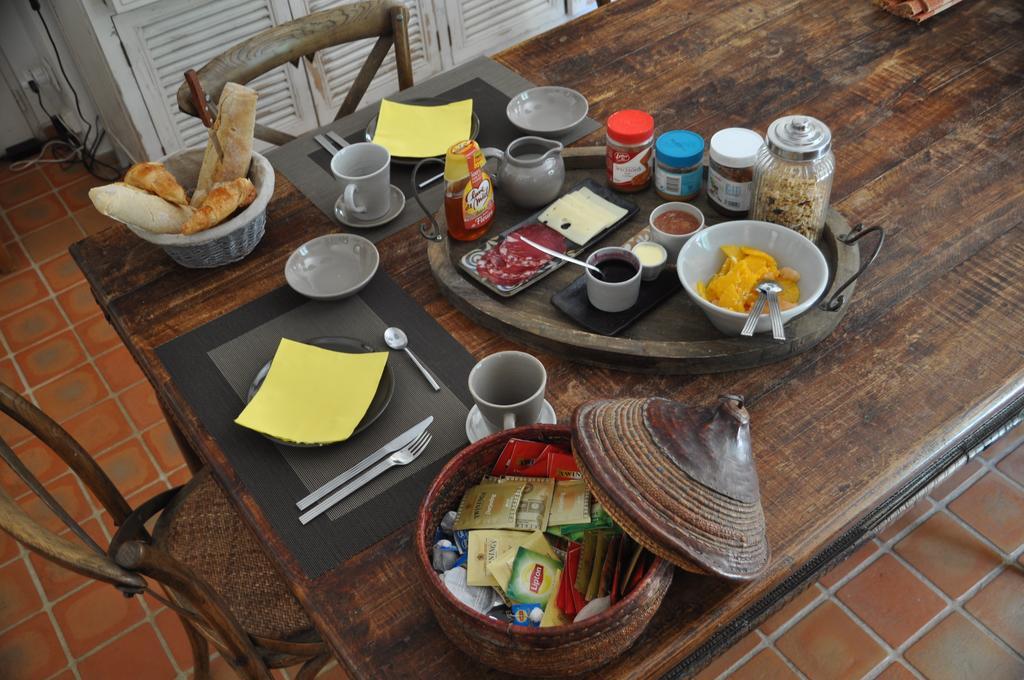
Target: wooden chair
386 20
212 571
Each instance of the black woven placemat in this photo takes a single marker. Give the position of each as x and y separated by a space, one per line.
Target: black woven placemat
276 477
487 82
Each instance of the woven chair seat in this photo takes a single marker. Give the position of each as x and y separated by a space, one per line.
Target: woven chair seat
201 530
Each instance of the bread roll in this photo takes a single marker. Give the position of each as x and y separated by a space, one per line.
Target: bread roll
154 177
126 203
222 200
234 127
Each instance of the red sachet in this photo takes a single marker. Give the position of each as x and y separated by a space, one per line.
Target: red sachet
518 454
562 465
638 573
572 563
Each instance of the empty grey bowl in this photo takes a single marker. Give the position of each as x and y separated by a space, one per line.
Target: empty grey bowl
332 267
547 111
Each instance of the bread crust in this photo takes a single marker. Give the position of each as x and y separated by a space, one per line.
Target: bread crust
126 203
234 127
154 177
219 203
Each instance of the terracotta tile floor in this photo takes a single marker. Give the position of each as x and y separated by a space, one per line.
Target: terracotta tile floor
56 348
938 594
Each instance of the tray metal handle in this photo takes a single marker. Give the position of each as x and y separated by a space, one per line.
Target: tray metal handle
854 235
430 229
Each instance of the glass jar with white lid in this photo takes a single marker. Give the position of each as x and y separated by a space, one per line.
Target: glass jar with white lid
793 175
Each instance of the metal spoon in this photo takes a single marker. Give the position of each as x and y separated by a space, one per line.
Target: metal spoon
397 339
771 290
560 256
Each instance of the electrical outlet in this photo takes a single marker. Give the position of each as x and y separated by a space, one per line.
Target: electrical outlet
43 75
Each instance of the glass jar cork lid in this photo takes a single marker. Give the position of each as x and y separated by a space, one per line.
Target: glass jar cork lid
799 138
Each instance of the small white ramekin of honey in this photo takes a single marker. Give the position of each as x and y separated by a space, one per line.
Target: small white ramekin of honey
652 256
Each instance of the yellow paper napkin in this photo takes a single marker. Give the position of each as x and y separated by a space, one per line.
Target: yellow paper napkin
313 395
422 131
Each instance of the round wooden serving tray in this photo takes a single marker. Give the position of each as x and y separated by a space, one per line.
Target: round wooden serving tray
674 337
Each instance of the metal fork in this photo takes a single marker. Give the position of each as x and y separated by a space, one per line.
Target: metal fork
396 459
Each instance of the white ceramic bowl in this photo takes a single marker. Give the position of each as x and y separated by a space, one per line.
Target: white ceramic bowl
332 267
547 111
701 258
673 243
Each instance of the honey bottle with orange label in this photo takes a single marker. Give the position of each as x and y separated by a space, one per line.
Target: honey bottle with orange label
469 192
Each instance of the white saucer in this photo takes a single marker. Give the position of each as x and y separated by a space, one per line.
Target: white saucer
477 426
397 205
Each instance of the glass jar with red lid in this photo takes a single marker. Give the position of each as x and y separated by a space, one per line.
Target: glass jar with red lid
630 150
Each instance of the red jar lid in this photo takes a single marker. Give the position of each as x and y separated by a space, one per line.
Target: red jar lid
630 126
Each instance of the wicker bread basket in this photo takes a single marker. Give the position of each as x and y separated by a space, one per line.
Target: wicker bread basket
227 242
538 652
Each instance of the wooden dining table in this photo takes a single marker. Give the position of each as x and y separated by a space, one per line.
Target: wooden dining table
925 369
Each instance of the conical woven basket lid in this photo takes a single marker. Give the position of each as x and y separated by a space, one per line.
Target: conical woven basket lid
679 480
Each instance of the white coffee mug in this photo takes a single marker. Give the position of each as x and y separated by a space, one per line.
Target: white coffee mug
364 170
508 388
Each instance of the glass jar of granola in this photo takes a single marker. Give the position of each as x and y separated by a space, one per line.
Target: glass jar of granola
793 175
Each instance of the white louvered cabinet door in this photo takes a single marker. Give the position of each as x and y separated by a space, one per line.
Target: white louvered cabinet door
165 39
477 27
334 69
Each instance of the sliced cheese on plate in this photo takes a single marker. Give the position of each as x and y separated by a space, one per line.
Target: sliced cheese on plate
581 215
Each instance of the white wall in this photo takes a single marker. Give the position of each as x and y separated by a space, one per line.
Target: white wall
24 43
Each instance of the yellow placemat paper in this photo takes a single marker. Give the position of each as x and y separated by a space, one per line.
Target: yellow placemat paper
313 395
422 131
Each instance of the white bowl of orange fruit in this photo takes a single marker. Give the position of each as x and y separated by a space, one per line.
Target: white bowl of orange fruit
721 266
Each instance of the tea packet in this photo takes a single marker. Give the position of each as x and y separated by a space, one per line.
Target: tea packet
535 504
570 503
597 568
490 506
533 577
486 546
553 614
500 568
586 562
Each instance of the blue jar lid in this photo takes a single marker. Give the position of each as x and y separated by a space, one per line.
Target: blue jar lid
679 148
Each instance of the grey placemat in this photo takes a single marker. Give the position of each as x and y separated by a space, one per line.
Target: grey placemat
271 483
297 160
240 359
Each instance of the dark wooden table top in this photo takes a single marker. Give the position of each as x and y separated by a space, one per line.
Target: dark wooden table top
929 139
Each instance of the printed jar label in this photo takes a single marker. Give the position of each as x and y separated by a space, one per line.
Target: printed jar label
727 193
678 184
627 168
477 203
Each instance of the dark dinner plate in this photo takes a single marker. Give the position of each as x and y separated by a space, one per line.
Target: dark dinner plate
381 399
474 128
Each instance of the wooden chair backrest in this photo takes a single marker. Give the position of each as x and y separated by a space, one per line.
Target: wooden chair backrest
86 558
386 20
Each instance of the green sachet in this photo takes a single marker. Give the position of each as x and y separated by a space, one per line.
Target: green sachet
599 520
533 577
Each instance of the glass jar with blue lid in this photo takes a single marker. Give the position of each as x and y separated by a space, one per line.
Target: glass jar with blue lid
678 170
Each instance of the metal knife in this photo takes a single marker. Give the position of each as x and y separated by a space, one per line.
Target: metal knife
328 147
368 462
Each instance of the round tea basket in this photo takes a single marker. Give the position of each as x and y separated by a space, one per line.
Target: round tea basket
227 242
558 651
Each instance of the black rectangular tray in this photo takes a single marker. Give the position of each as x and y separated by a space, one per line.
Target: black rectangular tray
468 261
572 301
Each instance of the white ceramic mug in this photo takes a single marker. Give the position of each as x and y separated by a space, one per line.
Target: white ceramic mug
618 296
364 170
508 388
672 243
